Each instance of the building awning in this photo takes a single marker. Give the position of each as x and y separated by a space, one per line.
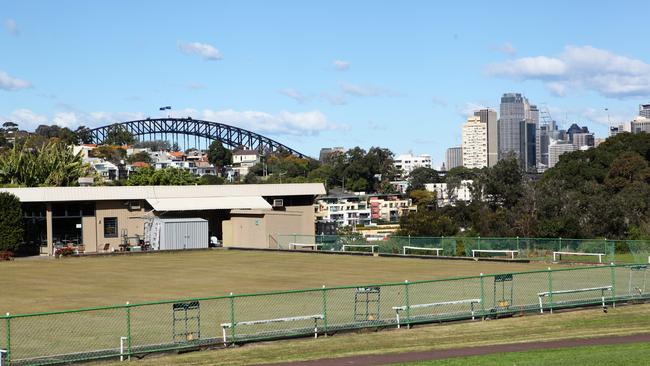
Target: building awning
208 203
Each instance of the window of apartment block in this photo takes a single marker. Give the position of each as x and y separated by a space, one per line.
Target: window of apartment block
110 227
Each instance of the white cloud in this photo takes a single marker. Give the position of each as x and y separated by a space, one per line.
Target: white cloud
11 27
365 90
204 50
29 120
26 119
335 99
293 94
283 123
585 67
341 65
468 109
505 48
7 82
529 67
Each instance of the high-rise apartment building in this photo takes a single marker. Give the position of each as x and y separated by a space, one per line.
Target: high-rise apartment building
580 136
517 129
489 118
545 133
454 157
644 110
407 162
326 152
475 143
557 148
640 124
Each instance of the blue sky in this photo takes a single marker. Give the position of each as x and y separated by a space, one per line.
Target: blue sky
402 75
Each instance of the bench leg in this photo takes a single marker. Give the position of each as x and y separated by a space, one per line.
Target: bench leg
541 307
225 342
398 323
315 328
472 305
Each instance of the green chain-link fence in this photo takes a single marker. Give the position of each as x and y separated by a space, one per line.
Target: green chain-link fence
136 329
577 250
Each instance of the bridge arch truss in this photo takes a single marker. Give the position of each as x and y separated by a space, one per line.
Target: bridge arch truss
231 136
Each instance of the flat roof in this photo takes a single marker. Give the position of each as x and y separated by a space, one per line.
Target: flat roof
109 193
209 203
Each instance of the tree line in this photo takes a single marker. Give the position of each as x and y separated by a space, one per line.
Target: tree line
603 192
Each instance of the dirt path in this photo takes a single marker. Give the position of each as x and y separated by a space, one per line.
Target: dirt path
385 359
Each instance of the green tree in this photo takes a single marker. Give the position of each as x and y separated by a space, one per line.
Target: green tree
219 155
427 223
161 177
209 179
421 176
51 164
118 135
109 153
155 145
11 222
83 135
141 156
423 198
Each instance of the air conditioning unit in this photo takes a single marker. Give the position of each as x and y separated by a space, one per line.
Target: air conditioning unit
278 202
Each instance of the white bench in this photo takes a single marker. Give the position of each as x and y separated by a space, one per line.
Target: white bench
602 290
294 246
505 251
437 250
434 304
315 317
559 254
371 246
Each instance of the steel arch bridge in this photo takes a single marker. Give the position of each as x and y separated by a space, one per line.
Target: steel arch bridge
233 137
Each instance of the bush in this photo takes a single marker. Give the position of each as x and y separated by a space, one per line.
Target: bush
6 255
11 222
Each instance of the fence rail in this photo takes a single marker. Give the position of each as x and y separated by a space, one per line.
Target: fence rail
617 251
133 329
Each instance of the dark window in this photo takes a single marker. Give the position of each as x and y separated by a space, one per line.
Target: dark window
88 209
110 227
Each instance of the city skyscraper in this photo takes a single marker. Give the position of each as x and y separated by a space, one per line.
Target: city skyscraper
454 157
644 110
557 148
489 117
546 132
517 128
475 143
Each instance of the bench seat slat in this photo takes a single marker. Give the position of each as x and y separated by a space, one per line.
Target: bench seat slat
547 293
277 320
435 304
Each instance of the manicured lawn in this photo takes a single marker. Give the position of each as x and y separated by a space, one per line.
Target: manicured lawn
36 285
622 354
568 325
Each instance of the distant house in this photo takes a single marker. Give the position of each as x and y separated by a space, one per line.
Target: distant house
243 160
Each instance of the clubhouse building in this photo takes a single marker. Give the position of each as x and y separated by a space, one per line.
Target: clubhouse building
108 219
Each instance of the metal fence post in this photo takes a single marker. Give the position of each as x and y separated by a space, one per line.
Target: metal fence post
325 309
613 269
8 325
550 289
478 241
408 307
128 329
559 249
232 317
482 298
517 243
